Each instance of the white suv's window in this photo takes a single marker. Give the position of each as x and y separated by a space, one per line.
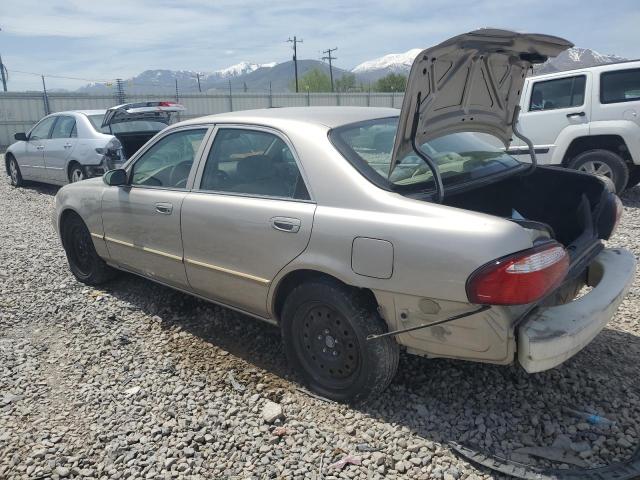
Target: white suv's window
560 93
620 86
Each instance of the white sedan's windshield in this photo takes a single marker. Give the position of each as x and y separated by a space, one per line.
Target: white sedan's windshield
459 156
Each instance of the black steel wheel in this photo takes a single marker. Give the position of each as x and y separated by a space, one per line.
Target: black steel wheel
84 262
324 329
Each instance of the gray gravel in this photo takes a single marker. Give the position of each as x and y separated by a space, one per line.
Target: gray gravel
137 381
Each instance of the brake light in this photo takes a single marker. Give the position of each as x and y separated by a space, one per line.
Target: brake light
167 104
520 278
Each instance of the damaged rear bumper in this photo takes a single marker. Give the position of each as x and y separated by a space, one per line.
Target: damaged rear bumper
551 335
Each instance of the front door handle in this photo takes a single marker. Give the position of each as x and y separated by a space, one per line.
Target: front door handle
68 145
286 224
164 208
576 114
40 147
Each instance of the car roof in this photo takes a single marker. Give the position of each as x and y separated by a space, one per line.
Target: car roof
330 117
84 112
597 68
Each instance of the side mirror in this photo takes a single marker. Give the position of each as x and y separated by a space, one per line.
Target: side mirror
21 136
115 178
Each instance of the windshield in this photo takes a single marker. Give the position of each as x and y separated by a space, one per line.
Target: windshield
126 127
460 157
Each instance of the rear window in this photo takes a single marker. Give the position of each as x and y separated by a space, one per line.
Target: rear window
560 93
460 157
126 127
620 86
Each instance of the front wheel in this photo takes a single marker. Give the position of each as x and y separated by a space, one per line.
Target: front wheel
14 172
603 163
84 262
324 329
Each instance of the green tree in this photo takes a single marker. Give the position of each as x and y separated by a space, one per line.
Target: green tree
394 82
314 80
346 83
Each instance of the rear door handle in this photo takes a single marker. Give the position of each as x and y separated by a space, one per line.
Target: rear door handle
68 145
40 147
576 114
286 224
164 208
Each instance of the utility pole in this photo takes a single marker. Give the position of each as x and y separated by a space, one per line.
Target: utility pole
329 57
177 96
47 110
295 42
3 71
198 77
120 90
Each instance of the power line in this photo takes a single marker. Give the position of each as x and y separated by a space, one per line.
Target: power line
295 42
60 76
329 57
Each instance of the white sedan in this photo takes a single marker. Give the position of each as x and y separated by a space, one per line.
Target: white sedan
66 147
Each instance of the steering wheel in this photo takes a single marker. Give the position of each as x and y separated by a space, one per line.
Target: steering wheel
177 176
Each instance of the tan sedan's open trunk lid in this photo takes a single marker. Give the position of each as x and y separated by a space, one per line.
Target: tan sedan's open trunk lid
472 83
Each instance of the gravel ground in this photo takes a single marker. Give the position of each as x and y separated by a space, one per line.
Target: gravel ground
138 381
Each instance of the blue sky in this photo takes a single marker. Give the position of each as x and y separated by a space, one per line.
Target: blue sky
119 38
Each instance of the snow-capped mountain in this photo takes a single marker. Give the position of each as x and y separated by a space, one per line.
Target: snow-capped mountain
576 58
393 62
573 58
240 69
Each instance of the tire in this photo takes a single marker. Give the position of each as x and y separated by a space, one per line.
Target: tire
324 331
77 173
634 176
84 262
14 172
605 163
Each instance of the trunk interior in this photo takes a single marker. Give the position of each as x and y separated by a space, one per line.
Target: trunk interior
564 200
132 141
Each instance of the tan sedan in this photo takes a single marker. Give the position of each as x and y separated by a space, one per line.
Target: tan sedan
362 230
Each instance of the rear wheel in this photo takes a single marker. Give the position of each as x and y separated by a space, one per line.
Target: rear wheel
603 163
324 330
14 172
84 262
76 173
634 176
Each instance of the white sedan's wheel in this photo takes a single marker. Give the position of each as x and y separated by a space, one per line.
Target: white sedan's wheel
77 174
14 173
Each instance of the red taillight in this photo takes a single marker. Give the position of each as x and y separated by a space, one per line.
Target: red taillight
521 278
167 104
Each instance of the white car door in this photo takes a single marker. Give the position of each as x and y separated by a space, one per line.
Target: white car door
550 106
59 148
32 161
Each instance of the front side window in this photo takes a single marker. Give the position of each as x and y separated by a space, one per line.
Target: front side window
168 162
560 93
620 86
252 162
460 157
41 130
64 127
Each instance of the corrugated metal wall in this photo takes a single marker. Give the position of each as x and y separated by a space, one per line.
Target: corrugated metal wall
20 111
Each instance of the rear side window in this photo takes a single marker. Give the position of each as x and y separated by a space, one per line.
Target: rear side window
64 128
620 86
252 162
560 93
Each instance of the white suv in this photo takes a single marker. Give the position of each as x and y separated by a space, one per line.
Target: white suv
585 119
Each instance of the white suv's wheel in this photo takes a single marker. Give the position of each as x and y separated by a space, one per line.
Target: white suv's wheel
603 163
